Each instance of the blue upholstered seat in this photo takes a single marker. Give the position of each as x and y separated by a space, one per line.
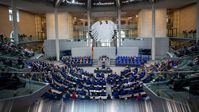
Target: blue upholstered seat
127 60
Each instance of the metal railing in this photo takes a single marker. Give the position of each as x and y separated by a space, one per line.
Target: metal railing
30 39
162 104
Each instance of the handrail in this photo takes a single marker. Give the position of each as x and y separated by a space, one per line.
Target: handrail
164 72
30 41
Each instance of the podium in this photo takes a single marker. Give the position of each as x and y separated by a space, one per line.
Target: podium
103 61
103 65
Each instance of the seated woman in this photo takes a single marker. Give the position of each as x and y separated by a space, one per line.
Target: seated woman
74 95
139 97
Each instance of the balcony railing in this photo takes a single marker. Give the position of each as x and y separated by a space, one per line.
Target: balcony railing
85 28
30 40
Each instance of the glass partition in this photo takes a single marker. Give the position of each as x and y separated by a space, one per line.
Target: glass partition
17 84
180 86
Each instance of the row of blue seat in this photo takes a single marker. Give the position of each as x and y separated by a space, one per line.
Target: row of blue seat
126 92
131 60
77 61
82 60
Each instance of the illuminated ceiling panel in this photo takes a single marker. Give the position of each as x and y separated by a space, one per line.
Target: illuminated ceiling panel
100 3
74 2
